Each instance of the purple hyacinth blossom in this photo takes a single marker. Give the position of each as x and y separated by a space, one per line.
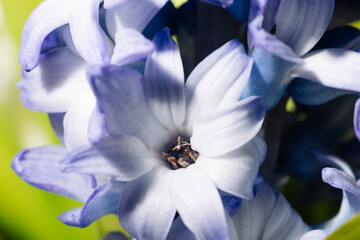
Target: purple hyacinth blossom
82 17
175 144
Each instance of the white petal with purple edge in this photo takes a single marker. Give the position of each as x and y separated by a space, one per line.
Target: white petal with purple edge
121 96
219 132
340 179
164 81
223 72
235 172
76 121
301 23
48 16
258 37
104 200
86 31
40 167
58 80
132 14
130 46
271 213
199 204
124 158
145 210
336 68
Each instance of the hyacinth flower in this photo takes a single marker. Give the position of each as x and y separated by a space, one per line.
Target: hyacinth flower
82 18
177 144
268 216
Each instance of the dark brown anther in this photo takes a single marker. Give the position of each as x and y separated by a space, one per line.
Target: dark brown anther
180 155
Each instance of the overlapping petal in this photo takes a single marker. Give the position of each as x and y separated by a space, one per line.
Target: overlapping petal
104 200
76 121
40 167
357 119
145 209
55 84
202 213
120 94
324 67
217 80
164 81
235 172
130 46
268 216
227 129
132 14
124 158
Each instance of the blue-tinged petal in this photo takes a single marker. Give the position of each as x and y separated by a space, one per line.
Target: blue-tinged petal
121 96
104 200
55 83
57 123
268 79
164 81
222 131
112 3
336 68
40 168
236 172
132 14
301 23
76 121
268 216
357 119
130 46
199 204
218 80
48 16
145 209
310 93
86 32
97 125
314 235
259 38
124 158
222 3
342 180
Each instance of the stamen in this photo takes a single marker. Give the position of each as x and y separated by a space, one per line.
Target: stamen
180 155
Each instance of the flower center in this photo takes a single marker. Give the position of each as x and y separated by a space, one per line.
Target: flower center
180 155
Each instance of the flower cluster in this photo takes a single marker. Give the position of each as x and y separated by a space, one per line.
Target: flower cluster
176 150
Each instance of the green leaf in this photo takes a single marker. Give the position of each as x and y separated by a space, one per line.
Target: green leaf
349 231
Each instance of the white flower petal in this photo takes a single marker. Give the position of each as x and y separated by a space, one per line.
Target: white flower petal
198 203
222 131
58 80
218 79
164 81
145 210
236 172
124 158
